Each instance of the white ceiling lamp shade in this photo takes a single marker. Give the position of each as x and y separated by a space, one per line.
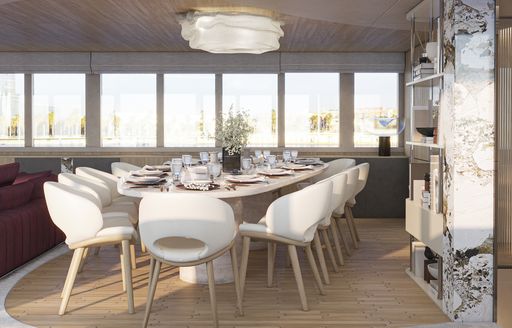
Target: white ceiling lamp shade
228 33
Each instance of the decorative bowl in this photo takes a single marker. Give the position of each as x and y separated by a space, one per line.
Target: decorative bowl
427 132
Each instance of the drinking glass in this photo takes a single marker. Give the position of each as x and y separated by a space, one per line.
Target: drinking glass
204 156
266 154
187 159
257 154
294 154
176 165
287 156
271 160
214 169
246 164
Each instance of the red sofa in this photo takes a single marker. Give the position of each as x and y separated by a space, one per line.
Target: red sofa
26 229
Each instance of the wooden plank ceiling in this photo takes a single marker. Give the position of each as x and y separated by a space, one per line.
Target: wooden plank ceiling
151 25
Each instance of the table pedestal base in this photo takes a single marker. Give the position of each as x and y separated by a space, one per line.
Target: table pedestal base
256 207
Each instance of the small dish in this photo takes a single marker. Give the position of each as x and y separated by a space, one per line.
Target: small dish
297 167
275 172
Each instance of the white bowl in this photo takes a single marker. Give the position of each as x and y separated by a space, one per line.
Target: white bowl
432 269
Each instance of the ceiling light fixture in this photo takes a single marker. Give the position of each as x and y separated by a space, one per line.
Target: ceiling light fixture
227 33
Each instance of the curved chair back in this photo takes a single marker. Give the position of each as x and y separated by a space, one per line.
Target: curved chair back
297 215
339 194
122 169
109 179
194 217
350 189
96 188
364 170
336 166
73 211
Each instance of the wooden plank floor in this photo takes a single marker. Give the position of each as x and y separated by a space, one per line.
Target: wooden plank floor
372 290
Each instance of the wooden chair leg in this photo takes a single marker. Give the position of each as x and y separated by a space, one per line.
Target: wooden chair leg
151 292
330 252
335 238
343 239
351 228
143 247
70 280
243 266
125 246
288 261
211 287
316 274
298 276
82 261
351 214
123 275
97 250
132 256
321 259
151 269
236 278
271 259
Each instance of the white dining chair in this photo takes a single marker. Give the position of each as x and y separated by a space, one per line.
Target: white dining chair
187 230
123 169
109 179
111 210
341 211
76 213
339 197
292 220
334 167
364 170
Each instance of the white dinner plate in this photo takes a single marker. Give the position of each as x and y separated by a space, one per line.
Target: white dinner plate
275 172
247 178
297 167
146 173
137 179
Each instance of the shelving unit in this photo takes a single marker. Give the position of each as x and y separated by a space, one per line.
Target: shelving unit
425 225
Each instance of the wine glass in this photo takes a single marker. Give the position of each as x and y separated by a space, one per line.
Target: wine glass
287 156
204 156
214 169
294 154
187 159
266 154
272 160
246 164
176 165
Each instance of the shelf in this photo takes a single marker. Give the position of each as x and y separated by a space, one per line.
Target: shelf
423 144
424 224
426 80
426 288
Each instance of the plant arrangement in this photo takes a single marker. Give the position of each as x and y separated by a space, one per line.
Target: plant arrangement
233 131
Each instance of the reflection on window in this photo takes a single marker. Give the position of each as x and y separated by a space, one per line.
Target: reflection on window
312 109
376 108
255 94
128 110
11 110
189 110
58 110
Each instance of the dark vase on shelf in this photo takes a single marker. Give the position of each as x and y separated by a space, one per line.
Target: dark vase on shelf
230 162
384 146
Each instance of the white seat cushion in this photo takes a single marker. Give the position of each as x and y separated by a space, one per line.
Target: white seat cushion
127 199
178 249
123 208
116 224
261 226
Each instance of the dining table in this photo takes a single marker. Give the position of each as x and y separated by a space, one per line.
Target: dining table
234 194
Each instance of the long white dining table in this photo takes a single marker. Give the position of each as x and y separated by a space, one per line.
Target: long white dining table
233 194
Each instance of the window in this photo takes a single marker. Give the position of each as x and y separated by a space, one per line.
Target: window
312 103
12 108
189 110
255 94
58 110
128 110
376 108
